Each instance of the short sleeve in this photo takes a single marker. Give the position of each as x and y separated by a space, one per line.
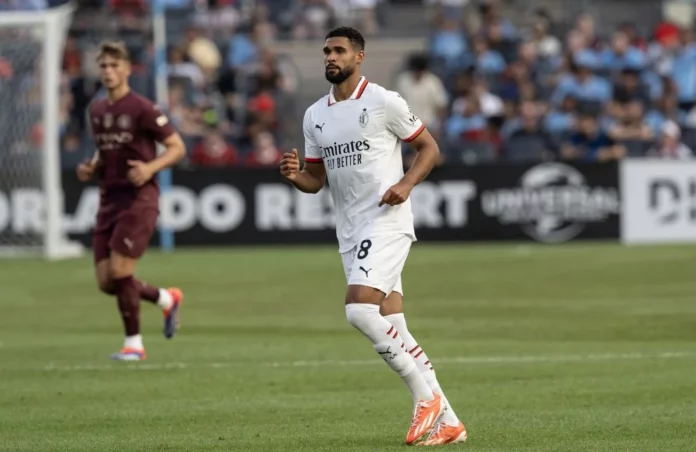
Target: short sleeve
312 149
156 123
400 120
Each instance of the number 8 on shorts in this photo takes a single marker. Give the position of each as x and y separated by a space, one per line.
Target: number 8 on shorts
377 262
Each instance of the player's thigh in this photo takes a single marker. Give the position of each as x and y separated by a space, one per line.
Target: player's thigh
130 239
101 237
347 259
379 261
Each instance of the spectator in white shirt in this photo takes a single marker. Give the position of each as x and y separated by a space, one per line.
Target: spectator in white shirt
424 92
670 145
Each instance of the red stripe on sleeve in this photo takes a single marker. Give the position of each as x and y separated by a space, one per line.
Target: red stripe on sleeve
313 160
415 134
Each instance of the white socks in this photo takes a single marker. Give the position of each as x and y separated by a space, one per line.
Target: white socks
423 363
165 299
134 342
385 339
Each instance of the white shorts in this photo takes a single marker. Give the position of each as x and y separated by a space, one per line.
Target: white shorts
377 262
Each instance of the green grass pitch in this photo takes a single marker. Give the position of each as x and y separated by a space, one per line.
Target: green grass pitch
583 347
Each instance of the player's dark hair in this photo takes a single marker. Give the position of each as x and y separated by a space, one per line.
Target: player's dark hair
354 36
114 49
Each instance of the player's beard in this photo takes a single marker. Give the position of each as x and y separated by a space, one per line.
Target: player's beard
340 76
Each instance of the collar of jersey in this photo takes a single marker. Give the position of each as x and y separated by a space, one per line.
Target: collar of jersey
362 84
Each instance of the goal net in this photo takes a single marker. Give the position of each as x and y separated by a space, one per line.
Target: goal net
31 194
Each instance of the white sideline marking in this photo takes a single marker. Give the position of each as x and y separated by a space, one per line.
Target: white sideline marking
472 360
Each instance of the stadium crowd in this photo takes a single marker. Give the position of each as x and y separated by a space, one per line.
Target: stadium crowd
489 90
496 92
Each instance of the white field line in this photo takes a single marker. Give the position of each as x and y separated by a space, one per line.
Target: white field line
473 360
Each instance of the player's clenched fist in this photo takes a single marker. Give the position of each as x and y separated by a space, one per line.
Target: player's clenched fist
85 170
290 165
396 194
139 173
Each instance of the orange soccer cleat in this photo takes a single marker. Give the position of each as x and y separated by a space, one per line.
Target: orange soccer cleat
171 315
425 414
129 354
446 434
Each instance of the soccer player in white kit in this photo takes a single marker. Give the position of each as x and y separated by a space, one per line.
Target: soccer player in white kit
353 136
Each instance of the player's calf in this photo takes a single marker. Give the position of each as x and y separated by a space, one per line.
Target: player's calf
365 317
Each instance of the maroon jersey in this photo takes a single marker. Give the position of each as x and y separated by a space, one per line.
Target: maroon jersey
127 129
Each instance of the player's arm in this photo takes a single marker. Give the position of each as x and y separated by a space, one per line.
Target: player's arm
85 170
157 125
174 152
312 177
410 129
427 156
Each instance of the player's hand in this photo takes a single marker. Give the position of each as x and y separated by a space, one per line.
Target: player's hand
396 194
85 170
290 165
139 173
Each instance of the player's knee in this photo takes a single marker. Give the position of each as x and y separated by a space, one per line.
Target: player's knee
362 315
363 294
392 304
120 268
107 286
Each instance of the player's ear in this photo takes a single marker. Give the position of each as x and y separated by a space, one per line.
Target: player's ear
361 56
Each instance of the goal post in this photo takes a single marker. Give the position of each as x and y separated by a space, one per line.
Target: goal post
31 192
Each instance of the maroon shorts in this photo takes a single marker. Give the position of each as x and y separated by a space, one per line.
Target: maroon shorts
127 232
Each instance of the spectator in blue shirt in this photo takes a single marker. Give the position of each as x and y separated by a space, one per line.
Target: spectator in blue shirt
666 109
562 121
590 143
494 25
487 61
23 5
243 49
583 84
684 71
448 42
621 54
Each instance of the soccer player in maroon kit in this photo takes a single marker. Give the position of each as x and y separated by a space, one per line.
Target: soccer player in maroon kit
126 128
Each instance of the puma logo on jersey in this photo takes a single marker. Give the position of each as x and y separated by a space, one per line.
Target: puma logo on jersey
367 272
320 127
129 243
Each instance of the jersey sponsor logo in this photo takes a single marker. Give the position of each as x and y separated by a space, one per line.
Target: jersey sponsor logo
553 203
124 122
364 118
342 155
110 141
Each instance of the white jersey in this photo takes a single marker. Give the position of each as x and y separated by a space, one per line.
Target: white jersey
359 142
